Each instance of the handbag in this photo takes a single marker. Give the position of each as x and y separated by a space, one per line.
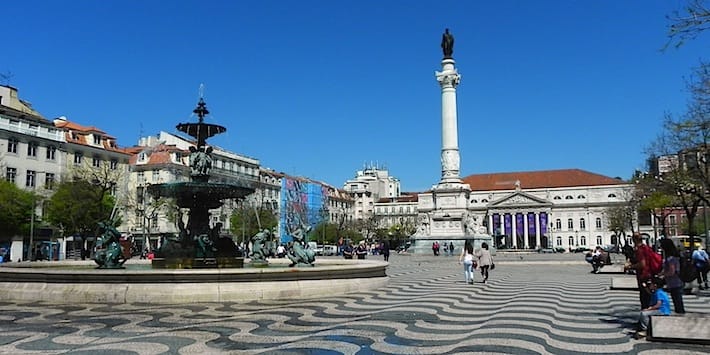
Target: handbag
493 266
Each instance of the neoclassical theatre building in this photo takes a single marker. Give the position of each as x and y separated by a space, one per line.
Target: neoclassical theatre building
547 209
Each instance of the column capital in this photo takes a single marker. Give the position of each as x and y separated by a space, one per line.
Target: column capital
448 79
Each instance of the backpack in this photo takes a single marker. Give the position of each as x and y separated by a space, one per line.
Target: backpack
688 272
654 262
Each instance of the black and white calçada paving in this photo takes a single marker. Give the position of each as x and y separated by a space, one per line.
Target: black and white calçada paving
526 307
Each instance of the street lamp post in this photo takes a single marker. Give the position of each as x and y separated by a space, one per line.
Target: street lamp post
32 228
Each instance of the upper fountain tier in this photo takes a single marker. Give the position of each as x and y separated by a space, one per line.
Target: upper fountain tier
201 130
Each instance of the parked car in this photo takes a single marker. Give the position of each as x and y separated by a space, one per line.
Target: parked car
319 250
611 248
581 249
330 250
546 250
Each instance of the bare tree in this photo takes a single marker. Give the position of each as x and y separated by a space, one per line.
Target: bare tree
688 23
6 77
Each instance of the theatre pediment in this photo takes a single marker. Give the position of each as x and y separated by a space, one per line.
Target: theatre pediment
520 199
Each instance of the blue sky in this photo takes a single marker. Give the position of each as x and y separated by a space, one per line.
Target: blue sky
319 88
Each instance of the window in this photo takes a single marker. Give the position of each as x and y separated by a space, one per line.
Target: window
599 240
141 156
12 145
570 241
569 197
48 181
97 139
484 201
558 224
598 223
611 196
113 164
156 175
557 198
581 197
141 177
32 149
474 201
582 224
570 224
671 220
559 241
30 182
11 174
51 153
582 240
96 162
77 158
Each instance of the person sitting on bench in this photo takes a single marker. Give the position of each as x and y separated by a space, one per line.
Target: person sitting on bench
660 304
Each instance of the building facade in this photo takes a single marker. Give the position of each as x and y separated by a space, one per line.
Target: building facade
547 209
368 186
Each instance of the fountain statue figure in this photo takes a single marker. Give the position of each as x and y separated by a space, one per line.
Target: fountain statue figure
297 251
109 254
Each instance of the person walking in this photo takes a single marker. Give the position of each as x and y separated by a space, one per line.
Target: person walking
467 259
451 248
700 259
671 274
385 250
484 260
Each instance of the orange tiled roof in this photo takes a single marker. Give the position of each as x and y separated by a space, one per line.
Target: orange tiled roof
160 154
78 134
538 179
404 197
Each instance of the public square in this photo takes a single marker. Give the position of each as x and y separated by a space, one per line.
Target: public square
532 304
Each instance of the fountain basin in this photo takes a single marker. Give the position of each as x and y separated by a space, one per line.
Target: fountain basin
75 282
200 194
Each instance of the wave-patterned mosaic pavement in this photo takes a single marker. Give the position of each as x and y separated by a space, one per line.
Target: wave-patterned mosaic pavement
525 308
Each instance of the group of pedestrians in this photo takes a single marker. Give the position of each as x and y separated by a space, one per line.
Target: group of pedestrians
480 259
448 248
651 278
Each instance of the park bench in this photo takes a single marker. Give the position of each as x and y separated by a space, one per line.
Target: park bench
688 328
624 283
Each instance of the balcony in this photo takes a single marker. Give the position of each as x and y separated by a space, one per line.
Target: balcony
57 135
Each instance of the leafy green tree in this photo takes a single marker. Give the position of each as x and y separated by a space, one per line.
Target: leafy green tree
246 220
77 206
17 208
656 199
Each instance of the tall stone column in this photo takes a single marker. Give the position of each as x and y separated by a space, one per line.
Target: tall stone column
448 79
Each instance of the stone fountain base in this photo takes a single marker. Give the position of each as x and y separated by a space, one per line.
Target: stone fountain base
197 263
79 282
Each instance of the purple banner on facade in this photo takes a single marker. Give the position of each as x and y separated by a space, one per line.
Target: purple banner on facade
496 224
532 230
519 226
543 223
508 224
